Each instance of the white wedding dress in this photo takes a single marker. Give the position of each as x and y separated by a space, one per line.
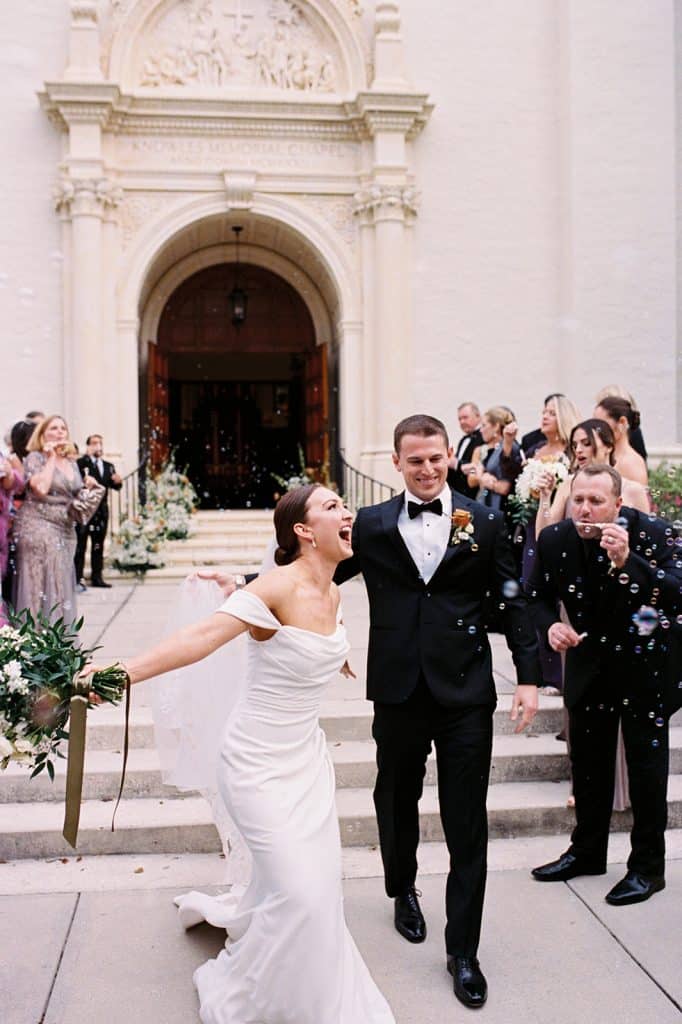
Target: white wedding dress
289 957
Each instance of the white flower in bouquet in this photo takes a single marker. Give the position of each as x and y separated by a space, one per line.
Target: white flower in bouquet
6 748
523 503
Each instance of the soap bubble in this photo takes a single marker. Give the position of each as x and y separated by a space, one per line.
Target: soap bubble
510 589
646 620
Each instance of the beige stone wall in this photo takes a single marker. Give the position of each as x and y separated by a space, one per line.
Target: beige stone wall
546 240
33 39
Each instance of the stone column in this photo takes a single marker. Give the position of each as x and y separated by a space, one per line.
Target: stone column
84 201
389 207
127 400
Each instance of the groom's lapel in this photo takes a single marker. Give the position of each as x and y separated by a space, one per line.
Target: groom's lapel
389 521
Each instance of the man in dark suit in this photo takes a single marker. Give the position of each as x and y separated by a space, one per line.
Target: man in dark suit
469 417
618 573
430 557
103 472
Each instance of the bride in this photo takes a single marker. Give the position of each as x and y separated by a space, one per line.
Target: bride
289 956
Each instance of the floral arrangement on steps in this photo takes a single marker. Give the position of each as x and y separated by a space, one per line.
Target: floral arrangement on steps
175 499
166 515
306 475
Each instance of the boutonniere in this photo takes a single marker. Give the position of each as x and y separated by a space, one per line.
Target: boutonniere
462 529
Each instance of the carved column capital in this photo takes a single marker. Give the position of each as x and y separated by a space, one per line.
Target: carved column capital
386 202
73 196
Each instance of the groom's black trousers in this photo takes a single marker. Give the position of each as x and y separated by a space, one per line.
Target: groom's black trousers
463 741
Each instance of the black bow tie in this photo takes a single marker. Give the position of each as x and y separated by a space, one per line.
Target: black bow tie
414 508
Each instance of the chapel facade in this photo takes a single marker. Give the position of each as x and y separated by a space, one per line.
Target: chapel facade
262 227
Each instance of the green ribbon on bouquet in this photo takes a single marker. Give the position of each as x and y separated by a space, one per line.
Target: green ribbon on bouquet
78 712
75 765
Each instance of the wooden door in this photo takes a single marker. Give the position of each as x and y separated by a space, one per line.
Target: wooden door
157 406
317 408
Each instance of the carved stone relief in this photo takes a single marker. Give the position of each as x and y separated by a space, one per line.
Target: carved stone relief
138 208
338 211
267 44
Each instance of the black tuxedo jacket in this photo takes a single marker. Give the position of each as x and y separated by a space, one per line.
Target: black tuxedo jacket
104 478
438 628
567 570
456 478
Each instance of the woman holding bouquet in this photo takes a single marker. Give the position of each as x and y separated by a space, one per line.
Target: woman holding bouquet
591 441
44 530
289 955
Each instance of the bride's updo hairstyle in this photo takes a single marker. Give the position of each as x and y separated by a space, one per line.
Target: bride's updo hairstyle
291 509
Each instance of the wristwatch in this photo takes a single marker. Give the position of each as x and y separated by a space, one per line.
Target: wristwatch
239 581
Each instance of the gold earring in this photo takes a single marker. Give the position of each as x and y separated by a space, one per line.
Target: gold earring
313 542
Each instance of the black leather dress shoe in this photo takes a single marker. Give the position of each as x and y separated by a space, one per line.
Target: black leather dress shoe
470 985
409 920
567 866
634 888
100 583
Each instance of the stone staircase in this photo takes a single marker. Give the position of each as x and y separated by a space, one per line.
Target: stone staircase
529 777
527 795
235 538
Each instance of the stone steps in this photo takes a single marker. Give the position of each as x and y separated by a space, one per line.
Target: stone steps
342 720
515 759
146 825
232 539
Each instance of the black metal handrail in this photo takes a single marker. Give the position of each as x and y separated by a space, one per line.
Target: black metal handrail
358 488
127 502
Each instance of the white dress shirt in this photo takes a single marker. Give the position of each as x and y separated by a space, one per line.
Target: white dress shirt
426 536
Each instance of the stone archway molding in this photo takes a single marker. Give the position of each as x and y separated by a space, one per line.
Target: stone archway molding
215 255
323 241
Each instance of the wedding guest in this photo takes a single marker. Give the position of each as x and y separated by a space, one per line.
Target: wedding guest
591 442
11 481
496 463
44 530
535 437
631 575
19 437
35 416
92 464
636 436
469 417
622 418
559 416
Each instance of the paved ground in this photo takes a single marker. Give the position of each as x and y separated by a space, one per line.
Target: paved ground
97 939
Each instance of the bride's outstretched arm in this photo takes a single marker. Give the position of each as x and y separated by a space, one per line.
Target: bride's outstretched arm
188 645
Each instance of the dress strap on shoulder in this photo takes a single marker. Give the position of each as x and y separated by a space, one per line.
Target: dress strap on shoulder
249 608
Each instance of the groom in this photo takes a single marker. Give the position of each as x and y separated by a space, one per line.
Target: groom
431 558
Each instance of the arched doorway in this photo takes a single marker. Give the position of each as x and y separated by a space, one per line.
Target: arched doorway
238 405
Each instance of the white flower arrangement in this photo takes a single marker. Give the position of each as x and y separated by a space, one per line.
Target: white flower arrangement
523 503
38 662
137 545
170 501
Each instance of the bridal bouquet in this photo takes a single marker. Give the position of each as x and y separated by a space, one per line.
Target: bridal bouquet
39 662
523 503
